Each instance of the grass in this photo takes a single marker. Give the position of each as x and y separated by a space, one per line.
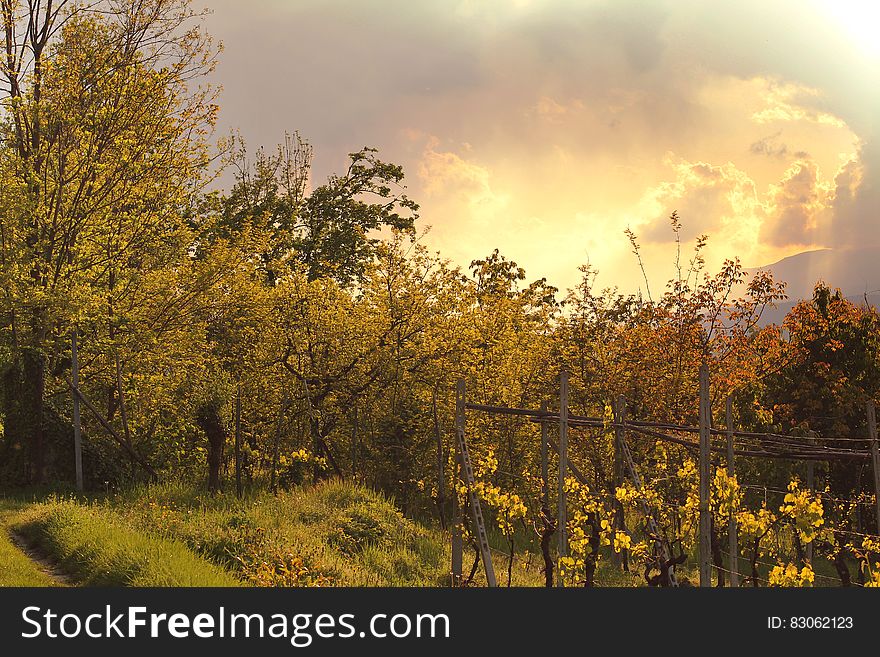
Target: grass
95 547
16 568
335 534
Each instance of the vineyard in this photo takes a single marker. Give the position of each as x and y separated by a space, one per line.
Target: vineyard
684 502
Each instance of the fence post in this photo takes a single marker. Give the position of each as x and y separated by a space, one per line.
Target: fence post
441 482
563 462
619 437
875 457
705 478
733 545
545 475
238 441
77 420
456 478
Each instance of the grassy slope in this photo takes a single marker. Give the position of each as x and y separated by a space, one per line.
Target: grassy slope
336 534
16 569
95 548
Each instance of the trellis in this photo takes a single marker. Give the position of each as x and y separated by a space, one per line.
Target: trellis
751 444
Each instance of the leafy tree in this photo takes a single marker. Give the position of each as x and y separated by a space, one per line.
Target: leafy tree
330 232
103 143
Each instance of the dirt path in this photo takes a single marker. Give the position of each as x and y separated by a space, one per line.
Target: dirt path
51 570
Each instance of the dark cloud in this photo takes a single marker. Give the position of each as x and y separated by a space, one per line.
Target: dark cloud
856 204
769 146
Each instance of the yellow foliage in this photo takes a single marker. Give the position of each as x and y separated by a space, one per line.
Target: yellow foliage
789 575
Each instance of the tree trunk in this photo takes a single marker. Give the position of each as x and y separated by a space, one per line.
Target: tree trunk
842 569
510 545
23 389
316 449
755 563
209 421
549 529
592 559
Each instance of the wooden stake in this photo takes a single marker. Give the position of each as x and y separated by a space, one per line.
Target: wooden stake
456 508
563 462
733 545
77 420
441 475
238 442
620 558
545 476
705 478
875 457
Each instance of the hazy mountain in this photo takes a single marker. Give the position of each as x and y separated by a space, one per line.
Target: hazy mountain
855 271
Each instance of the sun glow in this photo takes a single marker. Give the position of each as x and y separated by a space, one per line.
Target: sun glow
859 20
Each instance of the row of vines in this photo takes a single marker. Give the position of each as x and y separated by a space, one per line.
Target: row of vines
791 535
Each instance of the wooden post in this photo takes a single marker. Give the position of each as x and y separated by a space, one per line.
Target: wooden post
77 420
441 475
619 437
456 479
545 475
733 545
238 442
619 419
705 478
875 457
466 469
563 462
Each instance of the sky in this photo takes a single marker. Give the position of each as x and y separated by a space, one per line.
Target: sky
547 128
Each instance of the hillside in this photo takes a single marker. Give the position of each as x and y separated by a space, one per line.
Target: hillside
855 271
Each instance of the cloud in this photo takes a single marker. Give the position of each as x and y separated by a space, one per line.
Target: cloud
580 117
710 199
796 207
447 174
549 109
856 199
791 102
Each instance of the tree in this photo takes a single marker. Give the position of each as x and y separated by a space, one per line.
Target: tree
331 232
103 145
827 368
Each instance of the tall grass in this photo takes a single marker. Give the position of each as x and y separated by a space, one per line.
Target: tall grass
94 547
334 534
